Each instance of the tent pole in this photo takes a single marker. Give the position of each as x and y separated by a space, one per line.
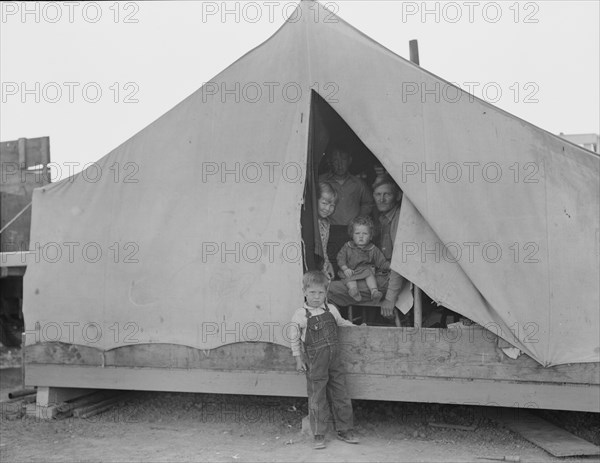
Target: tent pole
418 305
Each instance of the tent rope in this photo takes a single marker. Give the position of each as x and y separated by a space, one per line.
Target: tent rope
15 217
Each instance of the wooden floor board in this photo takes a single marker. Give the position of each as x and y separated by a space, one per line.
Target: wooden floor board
551 438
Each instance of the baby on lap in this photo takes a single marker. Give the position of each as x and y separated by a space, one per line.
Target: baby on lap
359 259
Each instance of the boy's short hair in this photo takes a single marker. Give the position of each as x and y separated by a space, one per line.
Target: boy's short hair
361 220
325 187
314 277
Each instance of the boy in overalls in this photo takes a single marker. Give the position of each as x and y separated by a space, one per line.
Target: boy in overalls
317 324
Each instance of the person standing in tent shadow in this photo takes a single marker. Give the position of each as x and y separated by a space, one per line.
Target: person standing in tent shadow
388 197
354 199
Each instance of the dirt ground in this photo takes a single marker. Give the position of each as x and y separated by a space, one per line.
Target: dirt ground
161 426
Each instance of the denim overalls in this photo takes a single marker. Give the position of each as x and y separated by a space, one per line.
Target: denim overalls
325 376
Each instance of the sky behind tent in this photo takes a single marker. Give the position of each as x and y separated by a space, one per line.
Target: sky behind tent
91 75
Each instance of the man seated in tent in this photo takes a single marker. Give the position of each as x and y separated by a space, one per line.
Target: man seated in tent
388 197
353 199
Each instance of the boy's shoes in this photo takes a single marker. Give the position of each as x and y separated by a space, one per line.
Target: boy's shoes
347 436
376 295
319 441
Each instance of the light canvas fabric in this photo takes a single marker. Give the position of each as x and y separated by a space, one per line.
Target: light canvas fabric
211 265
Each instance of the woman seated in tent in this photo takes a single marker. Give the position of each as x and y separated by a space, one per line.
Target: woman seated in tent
327 198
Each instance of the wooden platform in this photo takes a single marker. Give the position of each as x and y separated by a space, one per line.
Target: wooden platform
404 364
554 440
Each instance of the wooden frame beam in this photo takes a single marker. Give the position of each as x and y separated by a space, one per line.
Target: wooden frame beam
361 386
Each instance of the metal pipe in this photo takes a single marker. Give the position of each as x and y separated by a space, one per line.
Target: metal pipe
21 393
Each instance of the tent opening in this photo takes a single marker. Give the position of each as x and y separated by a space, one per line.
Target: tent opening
327 129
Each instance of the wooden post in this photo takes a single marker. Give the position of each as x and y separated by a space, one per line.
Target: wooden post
413 45
417 308
22 149
48 396
23 341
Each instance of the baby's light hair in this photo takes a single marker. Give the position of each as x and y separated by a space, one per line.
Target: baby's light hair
361 220
314 277
325 187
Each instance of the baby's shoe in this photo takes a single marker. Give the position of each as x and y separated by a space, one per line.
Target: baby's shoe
376 295
355 293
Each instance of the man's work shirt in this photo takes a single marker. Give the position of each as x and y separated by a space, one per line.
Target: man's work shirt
389 227
354 198
299 319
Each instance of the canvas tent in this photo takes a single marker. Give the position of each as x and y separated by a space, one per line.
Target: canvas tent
200 246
